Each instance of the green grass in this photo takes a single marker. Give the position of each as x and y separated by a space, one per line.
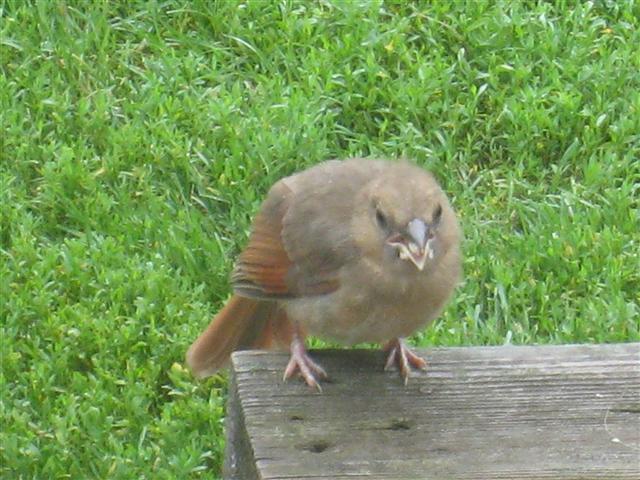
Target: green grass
138 139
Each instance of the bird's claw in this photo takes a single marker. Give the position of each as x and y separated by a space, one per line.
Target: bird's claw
400 355
302 363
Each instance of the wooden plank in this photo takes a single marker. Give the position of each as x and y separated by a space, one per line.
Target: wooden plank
551 412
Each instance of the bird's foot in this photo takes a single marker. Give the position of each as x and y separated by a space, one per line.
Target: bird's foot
302 363
400 355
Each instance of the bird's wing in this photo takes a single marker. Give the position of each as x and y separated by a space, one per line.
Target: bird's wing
263 267
301 237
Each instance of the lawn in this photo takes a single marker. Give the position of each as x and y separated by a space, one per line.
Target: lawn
138 139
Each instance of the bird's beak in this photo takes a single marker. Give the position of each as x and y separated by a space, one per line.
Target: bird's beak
415 245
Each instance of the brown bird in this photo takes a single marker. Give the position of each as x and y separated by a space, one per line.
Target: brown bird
351 251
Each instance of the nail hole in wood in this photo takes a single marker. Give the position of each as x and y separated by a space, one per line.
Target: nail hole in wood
399 424
317 446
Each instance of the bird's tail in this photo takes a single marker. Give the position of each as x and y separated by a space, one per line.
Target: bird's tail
243 323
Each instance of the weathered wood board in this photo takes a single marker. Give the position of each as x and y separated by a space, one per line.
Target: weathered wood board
550 412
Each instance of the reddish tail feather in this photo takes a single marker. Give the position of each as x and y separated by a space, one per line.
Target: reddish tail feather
243 324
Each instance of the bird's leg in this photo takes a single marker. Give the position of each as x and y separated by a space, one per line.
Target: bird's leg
403 358
302 363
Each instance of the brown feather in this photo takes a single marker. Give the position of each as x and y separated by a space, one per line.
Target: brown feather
266 269
263 266
242 324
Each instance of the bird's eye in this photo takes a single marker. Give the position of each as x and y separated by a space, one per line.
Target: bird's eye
381 219
437 214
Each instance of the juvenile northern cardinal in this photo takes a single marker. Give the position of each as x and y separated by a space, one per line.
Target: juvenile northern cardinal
352 251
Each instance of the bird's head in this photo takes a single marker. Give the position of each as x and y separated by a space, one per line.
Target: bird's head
408 220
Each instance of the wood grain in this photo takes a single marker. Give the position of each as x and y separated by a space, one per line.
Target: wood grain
551 412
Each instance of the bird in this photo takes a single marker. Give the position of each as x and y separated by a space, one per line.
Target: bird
350 251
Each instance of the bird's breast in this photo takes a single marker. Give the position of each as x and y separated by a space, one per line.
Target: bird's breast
371 307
